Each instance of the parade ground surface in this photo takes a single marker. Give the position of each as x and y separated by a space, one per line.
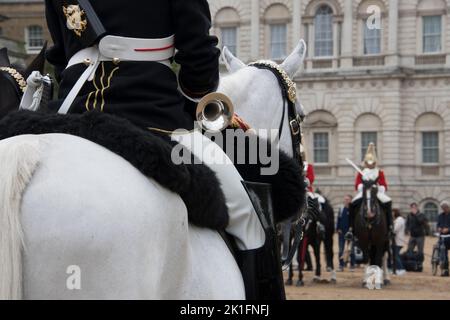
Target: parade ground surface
412 286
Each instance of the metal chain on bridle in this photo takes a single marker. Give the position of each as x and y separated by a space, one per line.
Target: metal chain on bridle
17 80
289 95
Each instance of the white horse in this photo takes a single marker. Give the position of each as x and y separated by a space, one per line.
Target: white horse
79 222
256 93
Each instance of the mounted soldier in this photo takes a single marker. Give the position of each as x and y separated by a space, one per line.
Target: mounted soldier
106 61
370 173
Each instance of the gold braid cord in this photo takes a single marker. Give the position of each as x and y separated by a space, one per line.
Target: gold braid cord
17 77
292 90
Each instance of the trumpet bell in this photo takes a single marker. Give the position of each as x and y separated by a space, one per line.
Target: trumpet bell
215 112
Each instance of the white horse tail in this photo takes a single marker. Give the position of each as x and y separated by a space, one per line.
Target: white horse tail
19 158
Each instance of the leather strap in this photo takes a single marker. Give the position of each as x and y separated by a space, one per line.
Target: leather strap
116 49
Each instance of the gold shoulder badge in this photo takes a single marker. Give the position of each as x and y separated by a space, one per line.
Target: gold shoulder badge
75 19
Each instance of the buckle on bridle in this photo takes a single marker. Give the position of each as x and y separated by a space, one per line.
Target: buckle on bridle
295 127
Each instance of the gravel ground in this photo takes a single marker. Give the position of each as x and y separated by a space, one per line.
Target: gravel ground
412 286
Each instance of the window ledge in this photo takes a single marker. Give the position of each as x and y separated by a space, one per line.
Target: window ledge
369 60
431 58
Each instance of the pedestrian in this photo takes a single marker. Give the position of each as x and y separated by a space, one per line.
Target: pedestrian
400 241
443 228
416 225
343 225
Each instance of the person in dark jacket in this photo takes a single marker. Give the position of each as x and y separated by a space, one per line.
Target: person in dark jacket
416 224
342 227
443 227
146 93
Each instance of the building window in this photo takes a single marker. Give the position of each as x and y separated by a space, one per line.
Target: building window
34 38
372 40
430 147
431 211
321 147
366 139
323 35
229 39
278 41
432 34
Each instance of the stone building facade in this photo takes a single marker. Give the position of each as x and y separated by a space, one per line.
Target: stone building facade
389 85
24 23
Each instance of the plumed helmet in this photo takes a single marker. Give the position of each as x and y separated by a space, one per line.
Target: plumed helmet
371 155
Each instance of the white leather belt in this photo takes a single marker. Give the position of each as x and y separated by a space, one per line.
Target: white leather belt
117 49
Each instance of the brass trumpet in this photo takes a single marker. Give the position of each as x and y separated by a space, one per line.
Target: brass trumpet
215 112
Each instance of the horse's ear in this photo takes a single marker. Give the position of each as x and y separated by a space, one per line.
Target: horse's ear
295 60
4 60
38 63
232 63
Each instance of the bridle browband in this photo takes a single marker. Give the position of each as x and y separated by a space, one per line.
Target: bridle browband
289 95
16 79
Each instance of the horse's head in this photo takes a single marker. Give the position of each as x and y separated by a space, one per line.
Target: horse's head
13 80
371 208
256 93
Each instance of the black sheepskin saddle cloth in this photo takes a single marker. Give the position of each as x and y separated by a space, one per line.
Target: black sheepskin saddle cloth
151 152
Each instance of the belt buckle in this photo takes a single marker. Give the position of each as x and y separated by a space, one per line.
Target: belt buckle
295 127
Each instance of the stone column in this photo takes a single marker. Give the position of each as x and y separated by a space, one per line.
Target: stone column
255 30
335 44
347 35
392 58
297 22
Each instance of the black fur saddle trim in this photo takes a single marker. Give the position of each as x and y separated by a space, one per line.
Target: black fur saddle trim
149 152
288 183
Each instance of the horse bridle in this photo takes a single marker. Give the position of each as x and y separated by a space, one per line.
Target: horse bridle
16 79
289 95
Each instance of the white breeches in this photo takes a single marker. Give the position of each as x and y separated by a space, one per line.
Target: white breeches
244 223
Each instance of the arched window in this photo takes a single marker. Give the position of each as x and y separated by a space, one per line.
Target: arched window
227 20
372 39
371 18
323 34
34 38
431 211
277 17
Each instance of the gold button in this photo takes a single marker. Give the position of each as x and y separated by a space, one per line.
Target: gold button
87 62
116 61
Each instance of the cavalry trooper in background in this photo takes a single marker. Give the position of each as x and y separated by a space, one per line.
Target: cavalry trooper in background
115 57
310 177
370 173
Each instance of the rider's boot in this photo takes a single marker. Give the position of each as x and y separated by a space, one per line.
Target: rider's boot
261 268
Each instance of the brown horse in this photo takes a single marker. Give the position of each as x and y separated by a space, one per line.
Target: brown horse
371 228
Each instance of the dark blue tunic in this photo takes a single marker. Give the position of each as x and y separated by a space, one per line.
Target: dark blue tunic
143 92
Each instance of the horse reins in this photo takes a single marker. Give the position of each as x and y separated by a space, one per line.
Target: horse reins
289 96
